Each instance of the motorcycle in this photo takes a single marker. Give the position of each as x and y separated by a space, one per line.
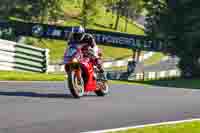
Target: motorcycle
82 77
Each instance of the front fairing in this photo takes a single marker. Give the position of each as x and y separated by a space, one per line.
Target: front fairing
71 53
86 66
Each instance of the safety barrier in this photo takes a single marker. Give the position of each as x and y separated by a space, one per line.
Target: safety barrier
106 65
144 75
156 75
16 56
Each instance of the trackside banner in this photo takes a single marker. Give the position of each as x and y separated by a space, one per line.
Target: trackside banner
115 39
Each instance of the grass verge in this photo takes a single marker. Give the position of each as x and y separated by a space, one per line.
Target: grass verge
188 127
154 59
127 82
177 83
57 48
174 82
29 76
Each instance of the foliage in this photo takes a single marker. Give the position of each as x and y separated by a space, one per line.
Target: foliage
178 23
90 9
7 34
127 8
30 10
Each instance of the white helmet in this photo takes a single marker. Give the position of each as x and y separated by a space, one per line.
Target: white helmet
79 29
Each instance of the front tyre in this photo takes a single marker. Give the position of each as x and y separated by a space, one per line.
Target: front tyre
102 88
76 85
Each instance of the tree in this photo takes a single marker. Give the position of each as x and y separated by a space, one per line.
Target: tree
90 9
128 9
177 22
119 5
133 9
30 10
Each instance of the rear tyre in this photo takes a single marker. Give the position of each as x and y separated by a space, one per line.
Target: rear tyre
102 88
76 86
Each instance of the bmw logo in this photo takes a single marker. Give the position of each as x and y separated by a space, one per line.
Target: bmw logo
37 30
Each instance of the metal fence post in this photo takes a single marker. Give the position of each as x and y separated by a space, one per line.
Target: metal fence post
143 76
47 60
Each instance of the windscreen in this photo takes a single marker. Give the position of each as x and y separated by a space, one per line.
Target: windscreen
71 51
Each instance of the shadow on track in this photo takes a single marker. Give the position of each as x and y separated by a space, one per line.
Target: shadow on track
34 94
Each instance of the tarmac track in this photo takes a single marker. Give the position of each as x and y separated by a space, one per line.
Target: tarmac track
47 107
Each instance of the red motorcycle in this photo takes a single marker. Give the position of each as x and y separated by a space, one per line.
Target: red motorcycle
82 76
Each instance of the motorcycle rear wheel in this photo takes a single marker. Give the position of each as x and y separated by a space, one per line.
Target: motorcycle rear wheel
76 86
102 88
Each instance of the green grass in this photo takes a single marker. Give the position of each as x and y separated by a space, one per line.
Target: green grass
115 53
154 59
57 48
127 82
29 76
176 83
188 127
100 21
121 68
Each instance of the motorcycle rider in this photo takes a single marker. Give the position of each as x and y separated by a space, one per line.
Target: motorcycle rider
78 36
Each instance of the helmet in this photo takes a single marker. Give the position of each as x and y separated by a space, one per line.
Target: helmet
79 29
77 34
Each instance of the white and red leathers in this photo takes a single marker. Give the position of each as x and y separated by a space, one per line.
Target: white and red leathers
90 49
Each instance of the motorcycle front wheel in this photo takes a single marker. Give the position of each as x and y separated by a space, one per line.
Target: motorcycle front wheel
75 84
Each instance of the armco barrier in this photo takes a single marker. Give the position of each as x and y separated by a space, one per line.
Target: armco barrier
15 56
144 75
108 64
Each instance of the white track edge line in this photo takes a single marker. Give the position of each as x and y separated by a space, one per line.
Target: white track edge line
142 126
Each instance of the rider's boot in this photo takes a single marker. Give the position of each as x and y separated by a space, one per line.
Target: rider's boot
102 74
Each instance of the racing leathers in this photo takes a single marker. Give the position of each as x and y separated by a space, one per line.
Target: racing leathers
90 50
